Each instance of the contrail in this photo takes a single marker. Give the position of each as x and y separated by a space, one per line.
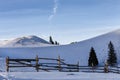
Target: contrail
54 10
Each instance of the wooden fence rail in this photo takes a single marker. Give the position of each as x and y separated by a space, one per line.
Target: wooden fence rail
58 64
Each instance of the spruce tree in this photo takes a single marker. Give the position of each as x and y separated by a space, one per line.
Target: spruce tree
56 42
112 59
51 40
92 61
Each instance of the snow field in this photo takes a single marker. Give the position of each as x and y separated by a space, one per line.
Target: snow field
58 76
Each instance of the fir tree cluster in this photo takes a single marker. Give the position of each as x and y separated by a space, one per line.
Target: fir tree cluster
112 58
53 42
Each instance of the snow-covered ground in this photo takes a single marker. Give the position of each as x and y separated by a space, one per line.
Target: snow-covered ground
58 76
71 53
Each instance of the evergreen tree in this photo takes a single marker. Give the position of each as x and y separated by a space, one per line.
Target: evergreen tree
112 59
92 61
51 40
56 43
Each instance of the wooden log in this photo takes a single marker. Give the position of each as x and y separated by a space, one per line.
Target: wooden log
27 60
18 62
68 71
24 63
20 66
48 69
72 64
49 64
51 59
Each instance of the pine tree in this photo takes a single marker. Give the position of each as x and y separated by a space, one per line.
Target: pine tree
56 43
92 61
112 59
51 40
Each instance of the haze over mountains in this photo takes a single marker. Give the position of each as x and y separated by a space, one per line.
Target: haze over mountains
71 53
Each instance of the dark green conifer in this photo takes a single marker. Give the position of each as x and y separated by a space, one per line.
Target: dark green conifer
92 61
112 59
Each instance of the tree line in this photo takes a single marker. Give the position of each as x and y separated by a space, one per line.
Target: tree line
112 58
53 42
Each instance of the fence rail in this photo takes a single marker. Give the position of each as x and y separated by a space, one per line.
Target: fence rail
56 64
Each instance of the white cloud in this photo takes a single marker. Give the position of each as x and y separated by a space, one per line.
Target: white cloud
54 10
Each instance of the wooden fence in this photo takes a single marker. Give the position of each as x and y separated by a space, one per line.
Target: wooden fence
56 64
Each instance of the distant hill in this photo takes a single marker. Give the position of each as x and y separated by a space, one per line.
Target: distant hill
28 41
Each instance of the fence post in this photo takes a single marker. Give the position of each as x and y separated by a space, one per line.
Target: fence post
78 66
7 64
37 63
59 61
92 67
106 68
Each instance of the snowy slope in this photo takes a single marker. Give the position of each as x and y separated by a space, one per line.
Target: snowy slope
72 52
58 76
29 41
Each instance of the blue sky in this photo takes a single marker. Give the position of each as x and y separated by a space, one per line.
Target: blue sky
65 20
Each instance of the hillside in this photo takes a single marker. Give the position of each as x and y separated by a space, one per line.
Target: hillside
28 41
71 52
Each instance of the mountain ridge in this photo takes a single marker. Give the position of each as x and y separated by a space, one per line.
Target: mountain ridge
26 41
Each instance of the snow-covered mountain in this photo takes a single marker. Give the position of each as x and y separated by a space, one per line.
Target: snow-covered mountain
28 41
71 52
